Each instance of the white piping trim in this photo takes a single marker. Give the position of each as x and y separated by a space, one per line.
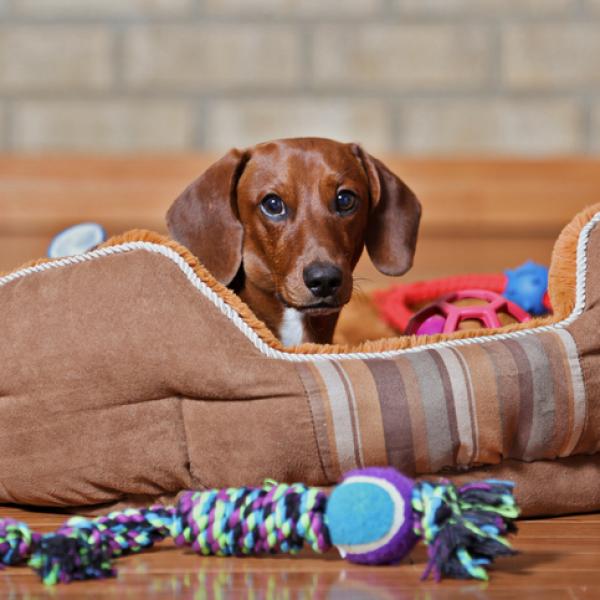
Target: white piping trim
262 346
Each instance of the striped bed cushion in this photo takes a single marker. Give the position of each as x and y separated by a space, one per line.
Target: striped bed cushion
450 406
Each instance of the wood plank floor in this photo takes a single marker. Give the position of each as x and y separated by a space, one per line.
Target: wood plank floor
559 559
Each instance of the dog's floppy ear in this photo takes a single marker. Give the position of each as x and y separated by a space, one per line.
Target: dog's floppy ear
394 217
204 217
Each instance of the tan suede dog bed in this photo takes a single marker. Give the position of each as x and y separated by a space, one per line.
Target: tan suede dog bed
129 373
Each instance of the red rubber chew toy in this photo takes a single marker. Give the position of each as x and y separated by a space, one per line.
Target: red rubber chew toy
396 304
446 316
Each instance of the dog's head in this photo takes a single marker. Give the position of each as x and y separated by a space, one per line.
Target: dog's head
296 213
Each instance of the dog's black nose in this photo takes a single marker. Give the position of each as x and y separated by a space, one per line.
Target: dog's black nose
322 279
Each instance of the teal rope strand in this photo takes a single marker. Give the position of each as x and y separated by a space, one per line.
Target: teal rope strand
464 528
236 521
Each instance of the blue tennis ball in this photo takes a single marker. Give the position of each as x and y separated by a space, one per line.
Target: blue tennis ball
369 516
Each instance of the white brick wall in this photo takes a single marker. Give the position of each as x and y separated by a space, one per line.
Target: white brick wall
243 123
401 57
97 126
486 7
499 126
204 57
57 58
592 5
551 56
68 8
294 7
417 76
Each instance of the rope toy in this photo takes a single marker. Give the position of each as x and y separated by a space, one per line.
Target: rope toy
374 516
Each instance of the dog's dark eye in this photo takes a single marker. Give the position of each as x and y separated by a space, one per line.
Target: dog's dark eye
345 202
273 206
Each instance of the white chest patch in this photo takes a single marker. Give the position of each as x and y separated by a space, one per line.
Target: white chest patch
291 330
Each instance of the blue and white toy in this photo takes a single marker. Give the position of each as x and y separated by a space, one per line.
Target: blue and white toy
76 239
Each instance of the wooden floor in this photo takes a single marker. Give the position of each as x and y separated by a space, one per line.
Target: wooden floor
559 559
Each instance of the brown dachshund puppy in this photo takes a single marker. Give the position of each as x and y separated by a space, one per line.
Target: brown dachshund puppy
284 223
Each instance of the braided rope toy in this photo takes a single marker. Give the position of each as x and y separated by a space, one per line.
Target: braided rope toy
374 516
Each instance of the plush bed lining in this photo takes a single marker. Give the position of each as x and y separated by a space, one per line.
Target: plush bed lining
571 247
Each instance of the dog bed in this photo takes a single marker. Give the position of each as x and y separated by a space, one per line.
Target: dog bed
129 373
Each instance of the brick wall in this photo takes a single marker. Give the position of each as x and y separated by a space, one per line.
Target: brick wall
413 76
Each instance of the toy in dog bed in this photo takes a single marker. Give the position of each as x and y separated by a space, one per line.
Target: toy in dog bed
525 288
450 312
374 516
76 239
